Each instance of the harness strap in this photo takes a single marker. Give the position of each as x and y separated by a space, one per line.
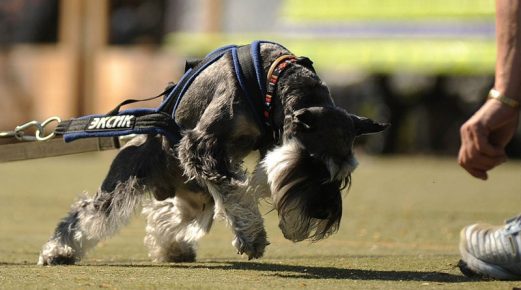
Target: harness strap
173 99
115 111
248 67
245 74
141 121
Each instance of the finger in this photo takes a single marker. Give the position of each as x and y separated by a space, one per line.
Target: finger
488 149
480 162
484 162
477 173
475 162
464 163
482 144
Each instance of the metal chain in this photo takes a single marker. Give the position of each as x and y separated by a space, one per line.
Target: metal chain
20 131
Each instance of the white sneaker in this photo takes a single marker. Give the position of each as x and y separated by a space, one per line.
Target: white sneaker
491 251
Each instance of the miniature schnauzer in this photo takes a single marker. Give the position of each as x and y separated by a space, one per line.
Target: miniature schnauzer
303 170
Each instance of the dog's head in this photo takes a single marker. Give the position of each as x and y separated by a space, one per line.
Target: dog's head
328 133
307 173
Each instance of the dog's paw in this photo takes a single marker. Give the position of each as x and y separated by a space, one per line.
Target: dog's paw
55 254
57 260
253 249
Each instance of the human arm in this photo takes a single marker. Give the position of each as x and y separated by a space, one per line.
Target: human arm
485 135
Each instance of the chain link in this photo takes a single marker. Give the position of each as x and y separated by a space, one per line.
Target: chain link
20 132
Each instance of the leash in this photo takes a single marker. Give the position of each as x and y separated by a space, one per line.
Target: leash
20 132
22 144
57 147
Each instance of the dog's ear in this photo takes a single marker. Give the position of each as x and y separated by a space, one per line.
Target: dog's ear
306 62
365 125
304 119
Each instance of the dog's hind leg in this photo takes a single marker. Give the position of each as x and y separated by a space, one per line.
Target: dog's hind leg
93 219
176 224
89 221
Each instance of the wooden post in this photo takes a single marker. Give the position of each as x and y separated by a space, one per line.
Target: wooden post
69 42
212 16
83 33
95 23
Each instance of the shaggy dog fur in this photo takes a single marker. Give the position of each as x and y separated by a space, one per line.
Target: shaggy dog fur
202 177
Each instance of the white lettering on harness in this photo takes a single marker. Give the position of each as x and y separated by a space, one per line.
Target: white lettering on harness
112 122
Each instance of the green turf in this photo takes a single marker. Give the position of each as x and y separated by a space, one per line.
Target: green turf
399 231
374 10
384 55
381 54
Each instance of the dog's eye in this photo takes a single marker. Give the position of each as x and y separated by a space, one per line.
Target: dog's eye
302 127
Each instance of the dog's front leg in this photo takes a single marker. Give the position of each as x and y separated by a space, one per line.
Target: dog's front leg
241 211
205 159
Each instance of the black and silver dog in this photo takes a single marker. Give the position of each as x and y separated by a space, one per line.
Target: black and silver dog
303 169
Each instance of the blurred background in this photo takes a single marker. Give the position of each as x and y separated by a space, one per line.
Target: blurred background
424 66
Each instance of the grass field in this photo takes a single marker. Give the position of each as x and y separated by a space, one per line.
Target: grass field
399 231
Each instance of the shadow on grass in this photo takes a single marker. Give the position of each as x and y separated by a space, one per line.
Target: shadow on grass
313 272
296 271
308 272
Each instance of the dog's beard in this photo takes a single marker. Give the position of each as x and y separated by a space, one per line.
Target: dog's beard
306 191
340 170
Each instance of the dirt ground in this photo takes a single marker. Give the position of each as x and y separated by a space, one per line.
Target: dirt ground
400 230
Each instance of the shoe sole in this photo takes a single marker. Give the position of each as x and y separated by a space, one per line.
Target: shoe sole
464 268
473 267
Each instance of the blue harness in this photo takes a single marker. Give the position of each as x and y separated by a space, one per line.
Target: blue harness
247 64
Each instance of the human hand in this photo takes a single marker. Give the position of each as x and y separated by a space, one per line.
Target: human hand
484 138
